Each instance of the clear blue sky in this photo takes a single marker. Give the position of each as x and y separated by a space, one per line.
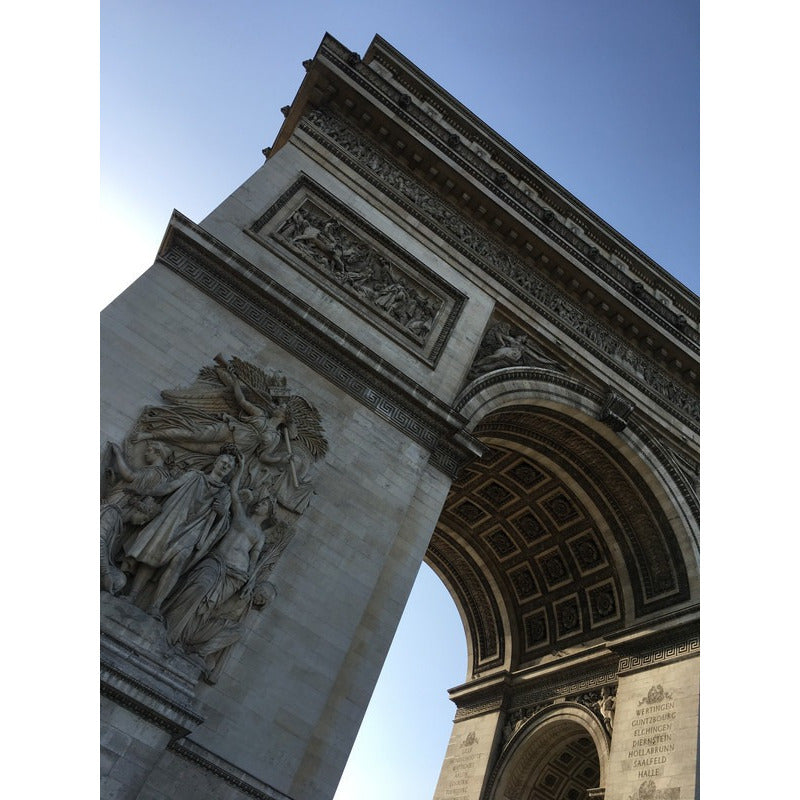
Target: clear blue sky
603 96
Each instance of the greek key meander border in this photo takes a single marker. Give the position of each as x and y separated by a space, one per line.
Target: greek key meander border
189 751
412 266
554 690
425 124
548 297
657 656
248 302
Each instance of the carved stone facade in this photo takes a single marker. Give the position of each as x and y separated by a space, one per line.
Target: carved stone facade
201 500
398 340
363 268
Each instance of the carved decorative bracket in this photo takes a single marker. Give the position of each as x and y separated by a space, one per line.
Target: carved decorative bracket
616 410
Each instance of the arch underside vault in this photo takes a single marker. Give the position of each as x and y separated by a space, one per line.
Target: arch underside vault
554 539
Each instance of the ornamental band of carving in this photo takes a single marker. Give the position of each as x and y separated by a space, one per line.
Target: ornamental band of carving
452 226
554 689
477 709
473 158
662 655
488 646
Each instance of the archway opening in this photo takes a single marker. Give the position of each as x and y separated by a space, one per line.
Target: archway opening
572 769
557 757
401 743
554 539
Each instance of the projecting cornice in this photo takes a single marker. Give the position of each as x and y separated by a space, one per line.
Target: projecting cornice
444 145
611 346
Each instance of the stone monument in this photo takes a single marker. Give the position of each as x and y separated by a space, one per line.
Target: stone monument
399 340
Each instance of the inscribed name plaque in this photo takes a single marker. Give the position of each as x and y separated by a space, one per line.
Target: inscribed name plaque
461 768
651 731
466 760
654 746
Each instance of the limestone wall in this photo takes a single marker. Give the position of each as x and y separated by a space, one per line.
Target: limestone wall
468 758
654 749
306 664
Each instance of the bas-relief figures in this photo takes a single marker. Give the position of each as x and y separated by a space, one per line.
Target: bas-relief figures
205 614
200 501
606 707
127 502
504 346
193 518
514 723
602 703
361 270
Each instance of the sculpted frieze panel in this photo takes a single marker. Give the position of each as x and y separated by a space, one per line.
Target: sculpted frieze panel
200 500
363 268
602 702
367 158
506 346
478 156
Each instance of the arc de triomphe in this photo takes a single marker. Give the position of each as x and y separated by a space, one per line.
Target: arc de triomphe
398 341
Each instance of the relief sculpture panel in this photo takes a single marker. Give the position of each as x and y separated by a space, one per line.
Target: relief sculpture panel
506 346
200 500
363 268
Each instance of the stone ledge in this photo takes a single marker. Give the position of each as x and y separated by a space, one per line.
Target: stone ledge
141 671
238 778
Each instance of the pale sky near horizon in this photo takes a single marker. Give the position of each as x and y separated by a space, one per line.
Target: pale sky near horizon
602 97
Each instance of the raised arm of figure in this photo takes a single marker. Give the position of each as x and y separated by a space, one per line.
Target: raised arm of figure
120 465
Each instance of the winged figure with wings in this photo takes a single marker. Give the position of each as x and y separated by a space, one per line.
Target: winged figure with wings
502 347
279 436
